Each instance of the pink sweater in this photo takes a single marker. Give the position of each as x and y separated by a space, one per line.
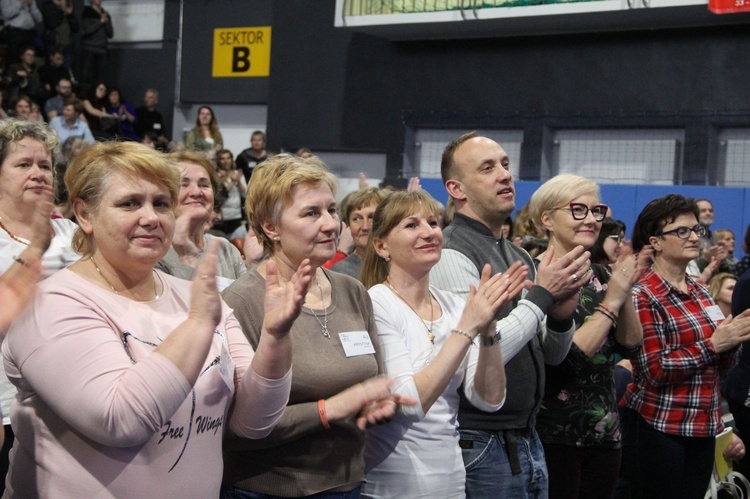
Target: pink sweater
98 414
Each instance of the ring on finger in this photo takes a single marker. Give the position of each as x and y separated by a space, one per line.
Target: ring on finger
575 278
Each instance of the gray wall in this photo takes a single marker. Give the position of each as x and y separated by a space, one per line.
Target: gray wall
335 90
201 17
356 91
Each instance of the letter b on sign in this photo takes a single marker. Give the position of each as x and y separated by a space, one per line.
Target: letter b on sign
240 59
242 52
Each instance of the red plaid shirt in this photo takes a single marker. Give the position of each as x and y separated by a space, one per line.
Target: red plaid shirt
676 372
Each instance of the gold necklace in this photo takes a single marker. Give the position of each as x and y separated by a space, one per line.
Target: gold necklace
13 236
156 296
430 336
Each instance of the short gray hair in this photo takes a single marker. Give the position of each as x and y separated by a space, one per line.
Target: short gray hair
15 130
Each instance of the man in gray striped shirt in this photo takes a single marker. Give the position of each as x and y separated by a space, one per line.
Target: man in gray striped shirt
501 450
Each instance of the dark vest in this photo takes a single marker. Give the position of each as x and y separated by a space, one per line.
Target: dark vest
525 372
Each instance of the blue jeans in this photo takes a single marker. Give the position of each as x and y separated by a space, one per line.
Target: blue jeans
488 467
232 492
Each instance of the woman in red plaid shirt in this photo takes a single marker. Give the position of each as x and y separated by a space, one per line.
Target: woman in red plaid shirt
673 406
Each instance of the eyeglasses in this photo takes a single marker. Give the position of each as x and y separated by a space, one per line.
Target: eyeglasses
618 238
580 211
684 232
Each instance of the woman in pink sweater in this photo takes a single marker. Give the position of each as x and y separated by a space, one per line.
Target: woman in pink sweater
126 375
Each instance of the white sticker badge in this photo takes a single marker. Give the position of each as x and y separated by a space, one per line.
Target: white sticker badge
715 313
356 343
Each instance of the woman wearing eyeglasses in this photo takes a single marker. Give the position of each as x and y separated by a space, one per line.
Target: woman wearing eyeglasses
610 243
673 407
578 422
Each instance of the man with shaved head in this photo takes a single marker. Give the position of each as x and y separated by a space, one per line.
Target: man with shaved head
502 452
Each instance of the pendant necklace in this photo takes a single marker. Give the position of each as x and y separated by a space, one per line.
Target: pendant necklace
324 324
156 296
430 336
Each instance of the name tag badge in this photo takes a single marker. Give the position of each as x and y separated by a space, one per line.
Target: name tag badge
715 313
223 283
356 343
157 126
226 367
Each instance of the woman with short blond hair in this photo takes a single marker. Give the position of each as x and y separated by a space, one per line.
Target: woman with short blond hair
126 375
317 448
578 422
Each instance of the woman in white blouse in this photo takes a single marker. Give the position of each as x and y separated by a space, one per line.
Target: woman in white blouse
431 342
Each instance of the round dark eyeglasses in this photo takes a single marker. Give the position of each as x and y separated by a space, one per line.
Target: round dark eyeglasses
580 211
684 232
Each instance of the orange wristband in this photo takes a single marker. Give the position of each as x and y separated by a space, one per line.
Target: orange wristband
322 414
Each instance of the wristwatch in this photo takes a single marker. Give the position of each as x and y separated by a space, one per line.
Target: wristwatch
489 341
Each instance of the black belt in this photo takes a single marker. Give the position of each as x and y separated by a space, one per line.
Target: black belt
511 444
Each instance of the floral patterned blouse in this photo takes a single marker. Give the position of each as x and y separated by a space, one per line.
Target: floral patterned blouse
579 406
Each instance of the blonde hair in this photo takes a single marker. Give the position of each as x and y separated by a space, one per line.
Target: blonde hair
271 188
557 192
717 281
92 172
394 208
720 233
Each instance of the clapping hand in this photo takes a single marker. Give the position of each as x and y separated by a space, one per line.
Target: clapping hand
252 249
382 410
413 185
41 226
731 332
371 402
205 302
644 258
566 275
494 292
346 240
283 304
18 283
362 181
564 278
628 271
